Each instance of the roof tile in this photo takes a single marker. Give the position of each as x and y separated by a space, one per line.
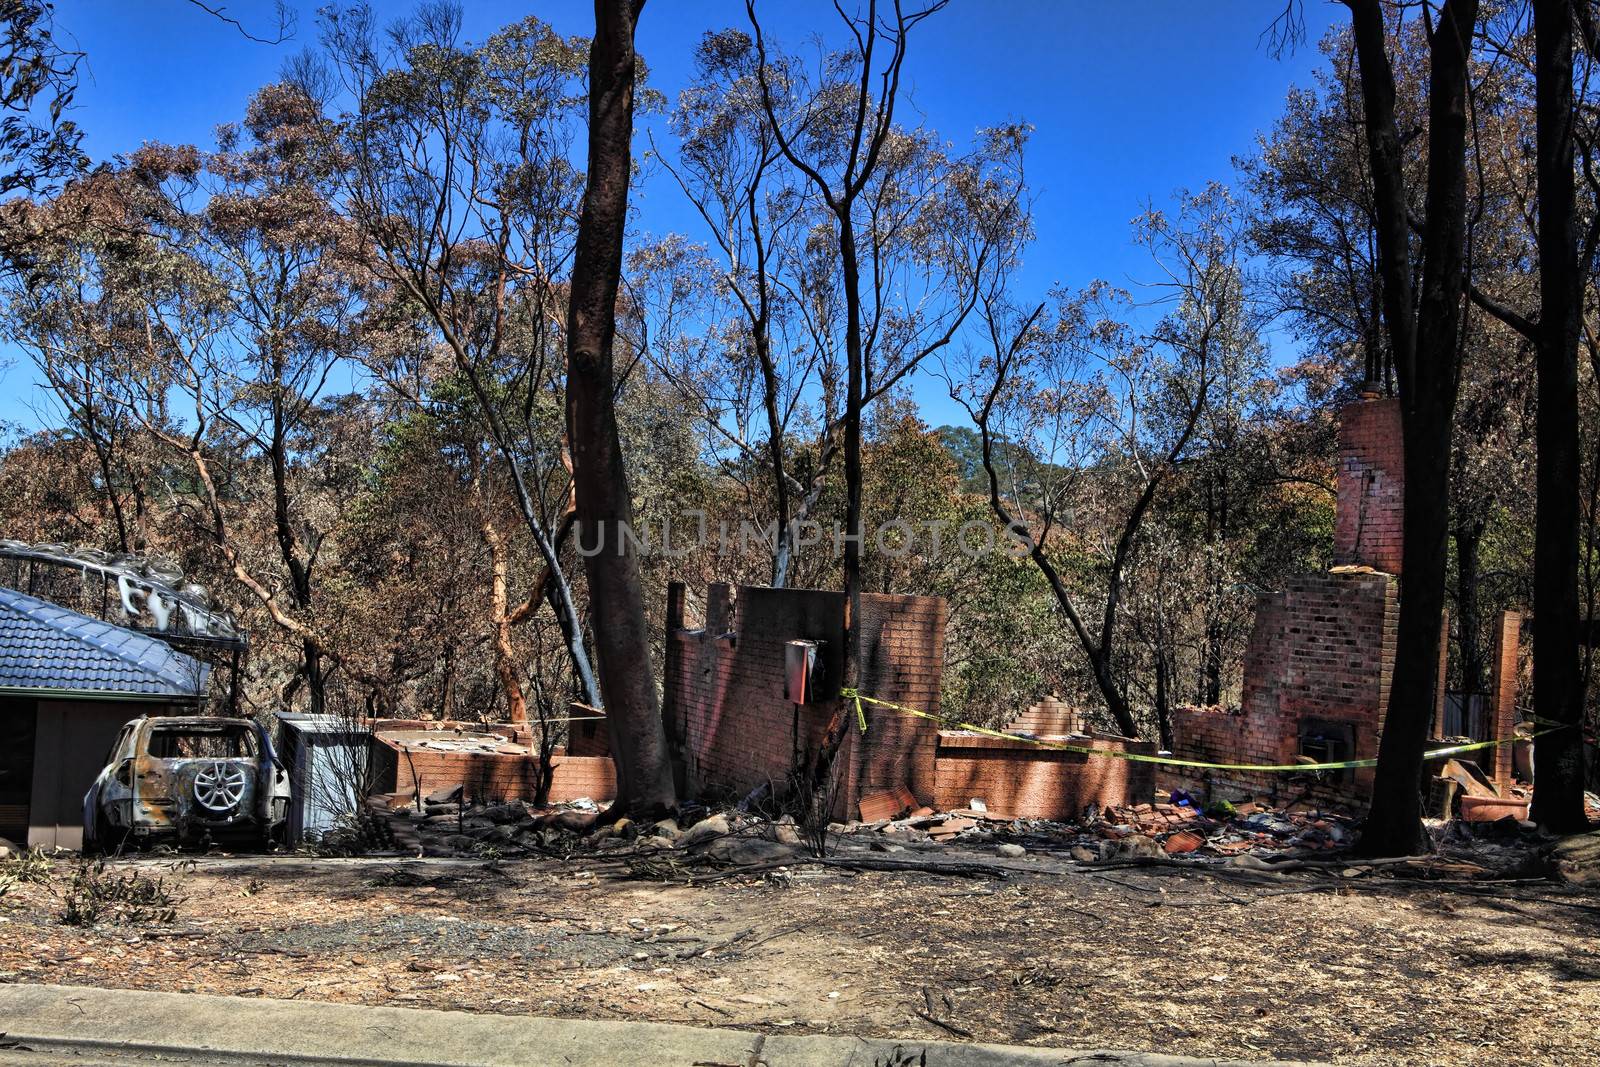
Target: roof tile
46 646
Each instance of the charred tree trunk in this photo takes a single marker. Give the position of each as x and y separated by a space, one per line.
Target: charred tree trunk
852 449
1163 698
1426 350
604 505
1217 533
295 561
761 332
1558 681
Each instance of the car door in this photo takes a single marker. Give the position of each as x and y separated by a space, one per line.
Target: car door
106 781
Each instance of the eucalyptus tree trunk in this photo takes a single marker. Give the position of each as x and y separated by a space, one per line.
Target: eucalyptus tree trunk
1424 330
604 505
1558 677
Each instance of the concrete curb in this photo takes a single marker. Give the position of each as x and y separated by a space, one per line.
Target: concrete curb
113 1026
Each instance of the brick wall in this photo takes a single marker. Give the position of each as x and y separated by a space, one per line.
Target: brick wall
1321 653
588 733
1016 778
901 661
1503 690
1051 717
1370 505
491 778
727 710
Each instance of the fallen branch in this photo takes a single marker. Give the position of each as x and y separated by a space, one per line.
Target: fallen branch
941 1024
960 868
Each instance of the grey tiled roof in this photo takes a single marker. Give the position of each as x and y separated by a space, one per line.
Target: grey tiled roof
45 646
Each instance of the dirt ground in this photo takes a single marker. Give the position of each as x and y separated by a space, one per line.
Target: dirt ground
1370 970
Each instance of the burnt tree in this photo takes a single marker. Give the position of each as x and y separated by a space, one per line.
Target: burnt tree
1558 681
600 480
1424 327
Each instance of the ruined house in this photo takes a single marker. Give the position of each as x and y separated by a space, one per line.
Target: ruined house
1321 655
739 722
1317 671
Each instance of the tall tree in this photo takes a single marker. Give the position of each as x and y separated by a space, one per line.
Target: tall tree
1558 682
729 169
1101 416
907 277
36 150
1423 328
458 173
600 477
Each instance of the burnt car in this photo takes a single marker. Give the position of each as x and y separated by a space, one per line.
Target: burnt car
188 779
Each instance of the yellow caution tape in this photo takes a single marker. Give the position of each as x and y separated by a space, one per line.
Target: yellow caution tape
1554 726
1140 757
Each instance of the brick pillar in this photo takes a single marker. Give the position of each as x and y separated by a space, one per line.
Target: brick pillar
1503 689
1371 485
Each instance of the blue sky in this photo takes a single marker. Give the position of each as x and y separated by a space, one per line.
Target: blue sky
1130 100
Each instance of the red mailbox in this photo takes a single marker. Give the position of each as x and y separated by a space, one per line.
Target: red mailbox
801 668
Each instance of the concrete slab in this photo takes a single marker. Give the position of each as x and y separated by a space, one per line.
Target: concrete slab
89 1027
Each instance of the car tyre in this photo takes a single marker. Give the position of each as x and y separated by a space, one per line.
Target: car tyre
92 845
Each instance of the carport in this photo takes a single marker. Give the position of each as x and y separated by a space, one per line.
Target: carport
68 683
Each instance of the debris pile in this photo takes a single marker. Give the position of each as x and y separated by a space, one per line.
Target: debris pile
444 824
1173 825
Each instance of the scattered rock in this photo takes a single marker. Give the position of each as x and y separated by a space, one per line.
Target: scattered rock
1137 846
704 830
1010 851
504 813
744 851
1576 859
572 822
448 795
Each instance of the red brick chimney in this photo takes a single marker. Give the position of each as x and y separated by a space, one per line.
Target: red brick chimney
1371 484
